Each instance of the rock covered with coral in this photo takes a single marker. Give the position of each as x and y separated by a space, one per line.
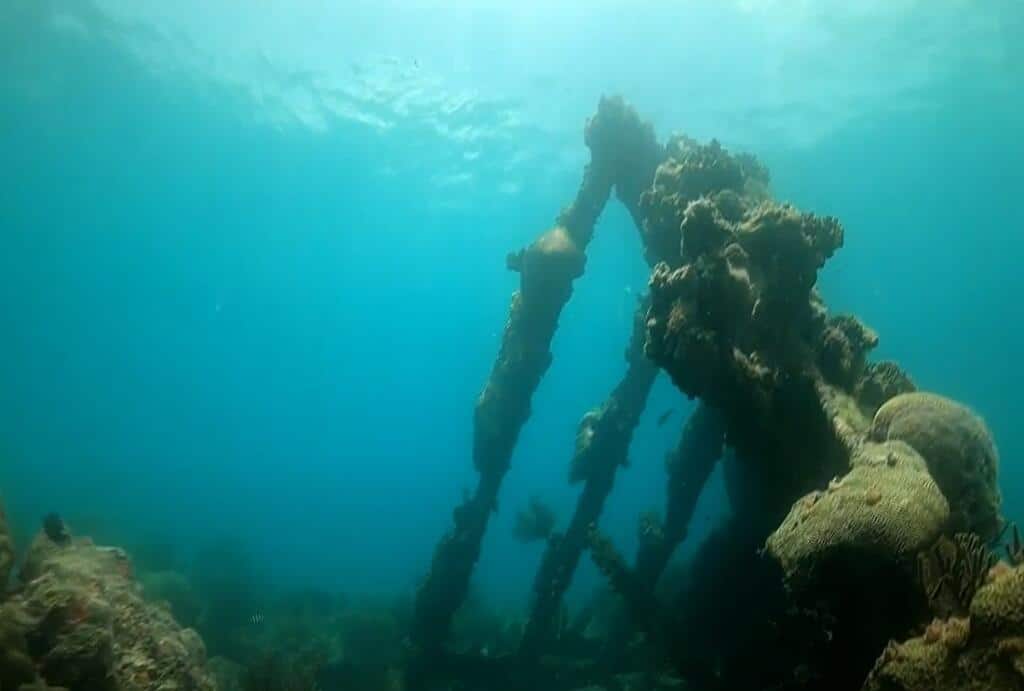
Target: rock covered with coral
624 151
736 322
886 507
981 652
738 312
960 452
924 469
691 171
80 622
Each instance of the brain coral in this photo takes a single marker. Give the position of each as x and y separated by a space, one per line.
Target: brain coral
959 450
887 507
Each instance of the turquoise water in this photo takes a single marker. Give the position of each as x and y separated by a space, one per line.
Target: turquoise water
253 258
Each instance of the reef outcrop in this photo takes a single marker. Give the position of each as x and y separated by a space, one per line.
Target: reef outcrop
79 622
690 171
983 651
736 323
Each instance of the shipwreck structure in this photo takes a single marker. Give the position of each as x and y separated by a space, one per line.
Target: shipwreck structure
839 474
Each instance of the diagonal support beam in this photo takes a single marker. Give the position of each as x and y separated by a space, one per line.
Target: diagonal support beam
624 154
602 445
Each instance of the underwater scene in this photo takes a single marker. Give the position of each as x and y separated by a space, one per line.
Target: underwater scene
412 345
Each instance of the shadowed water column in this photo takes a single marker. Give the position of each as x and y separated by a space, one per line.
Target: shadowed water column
6 549
602 445
645 610
688 465
547 269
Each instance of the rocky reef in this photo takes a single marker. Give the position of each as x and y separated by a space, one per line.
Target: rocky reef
984 649
925 473
78 621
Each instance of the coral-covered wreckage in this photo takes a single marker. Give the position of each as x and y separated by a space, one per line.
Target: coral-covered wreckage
76 620
855 555
861 509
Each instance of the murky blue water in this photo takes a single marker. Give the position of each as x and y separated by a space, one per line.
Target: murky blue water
253 254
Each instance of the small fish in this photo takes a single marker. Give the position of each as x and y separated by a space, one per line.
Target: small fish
256 619
663 418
